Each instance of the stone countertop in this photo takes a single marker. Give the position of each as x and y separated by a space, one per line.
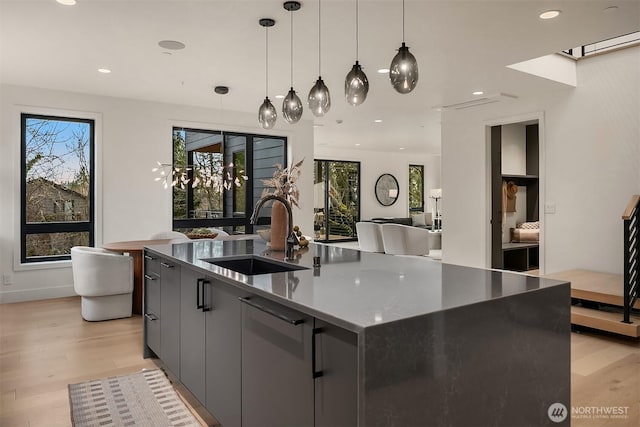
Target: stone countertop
354 289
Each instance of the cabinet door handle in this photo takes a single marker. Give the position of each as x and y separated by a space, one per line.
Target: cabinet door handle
280 316
150 258
198 301
150 317
146 276
166 265
314 373
204 286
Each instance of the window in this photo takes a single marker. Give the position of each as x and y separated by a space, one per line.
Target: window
336 199
416 188
206 155
57 186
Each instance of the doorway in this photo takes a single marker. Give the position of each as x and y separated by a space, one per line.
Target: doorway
336 200
515 196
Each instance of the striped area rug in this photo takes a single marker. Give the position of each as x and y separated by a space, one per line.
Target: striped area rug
142 399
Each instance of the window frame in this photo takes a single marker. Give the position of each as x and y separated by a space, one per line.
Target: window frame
249 193
57 226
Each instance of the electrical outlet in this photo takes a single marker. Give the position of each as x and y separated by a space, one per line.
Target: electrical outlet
7 279
550 208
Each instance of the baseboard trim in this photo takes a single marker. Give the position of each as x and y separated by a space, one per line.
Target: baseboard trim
22 295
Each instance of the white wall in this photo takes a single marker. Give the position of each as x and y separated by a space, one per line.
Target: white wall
590 166
514 150
375 163
135 134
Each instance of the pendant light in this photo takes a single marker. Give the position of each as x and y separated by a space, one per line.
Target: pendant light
267 114
356 84
292 106
319 97
403 71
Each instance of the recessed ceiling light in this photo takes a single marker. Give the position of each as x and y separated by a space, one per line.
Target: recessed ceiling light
550 14
279 96
104 70
357 145
377 121
171 44
383 70
402 148
221 90
67 2
478 92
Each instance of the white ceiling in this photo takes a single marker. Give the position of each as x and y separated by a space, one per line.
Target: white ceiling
461 46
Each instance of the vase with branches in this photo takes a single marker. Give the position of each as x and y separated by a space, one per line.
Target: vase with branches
282 183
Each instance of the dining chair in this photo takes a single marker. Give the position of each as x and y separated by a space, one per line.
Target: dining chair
104 280
174 235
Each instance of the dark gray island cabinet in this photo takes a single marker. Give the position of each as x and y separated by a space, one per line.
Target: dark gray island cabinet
364 340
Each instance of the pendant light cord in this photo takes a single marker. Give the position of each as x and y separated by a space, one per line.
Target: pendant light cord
266 59
402 21
291 15
319 40
357 31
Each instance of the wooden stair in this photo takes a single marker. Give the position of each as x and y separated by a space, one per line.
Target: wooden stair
601 288
605 321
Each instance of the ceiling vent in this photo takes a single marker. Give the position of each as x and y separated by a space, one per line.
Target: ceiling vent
477 101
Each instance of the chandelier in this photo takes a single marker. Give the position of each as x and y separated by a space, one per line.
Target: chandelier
217 176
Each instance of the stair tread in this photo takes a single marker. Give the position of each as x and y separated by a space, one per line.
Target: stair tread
593 281
605 321
594 286
600 314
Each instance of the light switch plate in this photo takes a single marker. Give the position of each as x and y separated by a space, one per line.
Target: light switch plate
7 279
550 208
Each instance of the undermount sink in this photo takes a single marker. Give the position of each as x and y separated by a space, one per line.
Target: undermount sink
253 265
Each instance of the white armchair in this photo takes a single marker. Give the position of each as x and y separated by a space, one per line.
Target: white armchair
405 240
104 280
369 237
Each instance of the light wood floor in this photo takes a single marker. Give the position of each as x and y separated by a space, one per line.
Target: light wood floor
45 345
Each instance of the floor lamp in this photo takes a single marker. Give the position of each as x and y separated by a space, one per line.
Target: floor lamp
436 194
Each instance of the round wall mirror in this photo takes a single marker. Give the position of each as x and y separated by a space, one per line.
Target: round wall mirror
387 189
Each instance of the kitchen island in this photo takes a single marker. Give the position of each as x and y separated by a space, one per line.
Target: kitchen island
363 339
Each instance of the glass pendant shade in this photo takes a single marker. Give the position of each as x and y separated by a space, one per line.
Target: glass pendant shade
403 71
319 99
292 107
267 114
356 85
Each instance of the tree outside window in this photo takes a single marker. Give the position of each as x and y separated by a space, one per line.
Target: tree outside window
416 188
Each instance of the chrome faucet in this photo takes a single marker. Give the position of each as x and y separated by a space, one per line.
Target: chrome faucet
291 237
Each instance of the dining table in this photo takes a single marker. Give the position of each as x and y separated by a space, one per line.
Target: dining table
134 248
